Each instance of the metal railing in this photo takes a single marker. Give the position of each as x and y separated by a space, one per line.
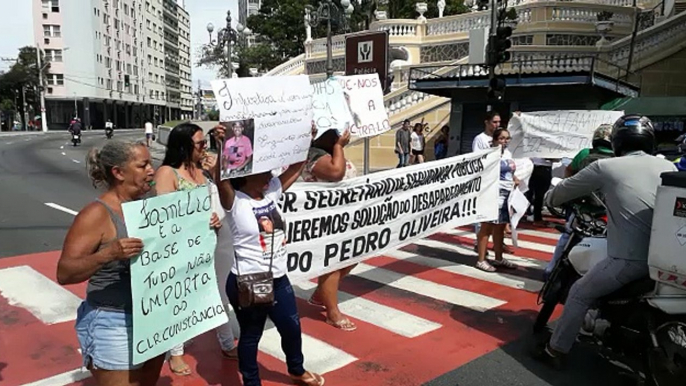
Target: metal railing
564 63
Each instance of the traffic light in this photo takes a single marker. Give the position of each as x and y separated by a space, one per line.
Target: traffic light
127 81
498 46
496 88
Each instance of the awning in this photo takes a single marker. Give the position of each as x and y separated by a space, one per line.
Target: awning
650 106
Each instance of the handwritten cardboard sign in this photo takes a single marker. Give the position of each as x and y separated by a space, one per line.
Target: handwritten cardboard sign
280 109
556 134
330 109
173 281
364 97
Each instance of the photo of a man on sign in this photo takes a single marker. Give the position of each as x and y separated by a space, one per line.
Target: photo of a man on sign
238 150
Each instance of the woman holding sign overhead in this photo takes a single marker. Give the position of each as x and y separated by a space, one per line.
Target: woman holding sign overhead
258 286
326 163
97 249
182 170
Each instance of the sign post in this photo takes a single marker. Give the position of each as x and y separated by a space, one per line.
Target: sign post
367 53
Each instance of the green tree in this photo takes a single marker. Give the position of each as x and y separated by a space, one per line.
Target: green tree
22 74
259 55
280 30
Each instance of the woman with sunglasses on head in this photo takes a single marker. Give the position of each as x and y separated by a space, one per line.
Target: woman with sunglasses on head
508 181
182 169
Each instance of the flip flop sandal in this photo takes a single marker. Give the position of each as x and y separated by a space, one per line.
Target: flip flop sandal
182 371
484 266
343 324
316 303
503 263
313 380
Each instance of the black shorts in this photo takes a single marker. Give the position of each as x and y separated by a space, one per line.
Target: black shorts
417 152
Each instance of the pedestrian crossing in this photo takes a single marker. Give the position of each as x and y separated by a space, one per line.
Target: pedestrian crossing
421 310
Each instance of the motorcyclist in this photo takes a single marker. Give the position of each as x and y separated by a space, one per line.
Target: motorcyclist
602 148
109 127
75 127
628 182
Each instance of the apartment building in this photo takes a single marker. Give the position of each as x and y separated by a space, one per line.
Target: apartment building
108 60
247 8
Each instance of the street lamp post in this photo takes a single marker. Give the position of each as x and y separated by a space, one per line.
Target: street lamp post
325 13
226 37
41 91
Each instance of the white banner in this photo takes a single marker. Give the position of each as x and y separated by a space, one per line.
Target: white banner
331 226
268 122
556 134
330 108
364 97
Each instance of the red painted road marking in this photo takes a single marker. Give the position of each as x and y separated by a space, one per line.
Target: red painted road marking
33 351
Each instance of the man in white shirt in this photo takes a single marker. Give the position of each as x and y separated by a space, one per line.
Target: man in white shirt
484 140
149 132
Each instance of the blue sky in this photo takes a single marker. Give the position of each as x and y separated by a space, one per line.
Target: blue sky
17 31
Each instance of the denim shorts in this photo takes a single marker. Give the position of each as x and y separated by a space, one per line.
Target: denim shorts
503 209
105 338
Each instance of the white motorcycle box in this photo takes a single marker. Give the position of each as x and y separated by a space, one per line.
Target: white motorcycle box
667 253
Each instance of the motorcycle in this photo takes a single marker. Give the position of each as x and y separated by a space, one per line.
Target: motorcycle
109 132
75 139
644 320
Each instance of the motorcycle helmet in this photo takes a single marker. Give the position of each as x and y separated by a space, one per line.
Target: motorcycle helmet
631 133
601 136
681 164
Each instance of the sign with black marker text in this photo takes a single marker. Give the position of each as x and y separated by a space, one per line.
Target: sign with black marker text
268 122
364 100
556 134
331 226
173 282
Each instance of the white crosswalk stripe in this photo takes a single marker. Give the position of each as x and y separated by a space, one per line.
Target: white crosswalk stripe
382 316
458 297
500 277
522 244
320 357
469 250
545 235
49 302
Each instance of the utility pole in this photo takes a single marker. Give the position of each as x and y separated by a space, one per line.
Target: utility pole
492 33
41 90
76 107
23 100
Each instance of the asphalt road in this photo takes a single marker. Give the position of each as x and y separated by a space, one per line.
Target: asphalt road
41 169
38 169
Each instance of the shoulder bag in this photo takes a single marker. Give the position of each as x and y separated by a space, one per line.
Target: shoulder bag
256 289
